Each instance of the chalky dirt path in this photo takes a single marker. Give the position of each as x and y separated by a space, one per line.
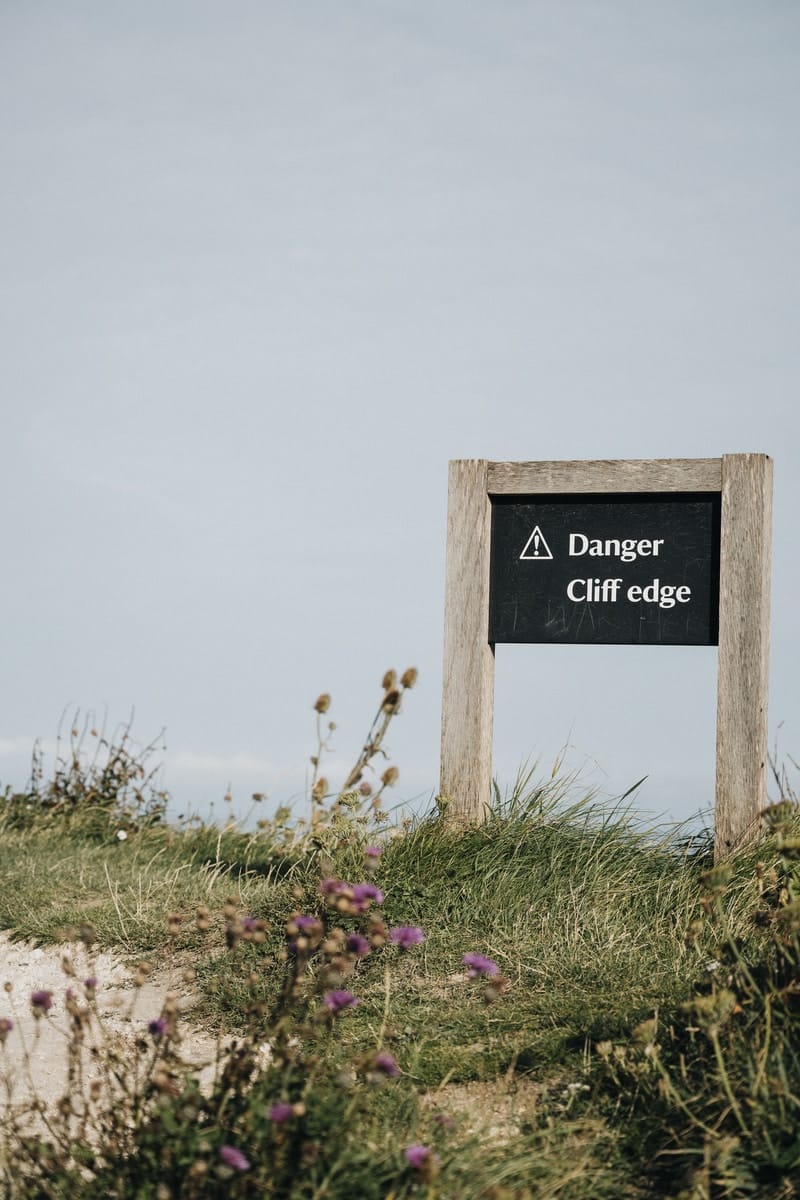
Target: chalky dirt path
33 1059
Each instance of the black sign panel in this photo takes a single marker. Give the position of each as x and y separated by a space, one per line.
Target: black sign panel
635 569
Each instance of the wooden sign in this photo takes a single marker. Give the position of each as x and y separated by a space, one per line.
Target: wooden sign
662 552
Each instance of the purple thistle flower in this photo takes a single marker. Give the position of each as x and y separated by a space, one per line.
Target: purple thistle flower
306 923
41 1002
337 1000
364 894
90 984
373 851
330 886
417 1156
386 1063
234 1158
357 944
479 964
406 936
249 924
6 1025
280 1112
157 1028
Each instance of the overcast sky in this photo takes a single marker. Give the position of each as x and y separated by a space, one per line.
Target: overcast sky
265 267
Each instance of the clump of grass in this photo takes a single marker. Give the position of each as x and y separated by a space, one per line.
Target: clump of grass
712 1086
103 782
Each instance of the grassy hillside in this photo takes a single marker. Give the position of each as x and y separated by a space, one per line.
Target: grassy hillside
625 1023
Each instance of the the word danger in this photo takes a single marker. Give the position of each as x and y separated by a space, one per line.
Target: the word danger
625 549
607 591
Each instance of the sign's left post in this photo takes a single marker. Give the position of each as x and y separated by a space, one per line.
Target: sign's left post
468 683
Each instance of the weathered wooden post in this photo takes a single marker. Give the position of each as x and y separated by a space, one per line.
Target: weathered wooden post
658 552
468 692
743 656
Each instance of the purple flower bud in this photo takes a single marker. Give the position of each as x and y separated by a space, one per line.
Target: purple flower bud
417 1156
90 984
41 1002
157 1028
479 964
364 894
406 936
373 851
306 923
337 1000
280 1112
234 1158
386 1063
357 944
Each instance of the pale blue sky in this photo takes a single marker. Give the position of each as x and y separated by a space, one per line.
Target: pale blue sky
265 268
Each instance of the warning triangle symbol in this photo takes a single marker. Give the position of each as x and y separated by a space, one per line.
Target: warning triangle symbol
536 547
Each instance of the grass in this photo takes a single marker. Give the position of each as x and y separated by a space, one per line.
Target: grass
634 1034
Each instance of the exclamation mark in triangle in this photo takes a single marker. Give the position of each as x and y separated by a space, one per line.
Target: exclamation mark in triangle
536 547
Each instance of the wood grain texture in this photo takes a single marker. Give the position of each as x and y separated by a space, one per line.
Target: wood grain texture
468 687
621 475
743 663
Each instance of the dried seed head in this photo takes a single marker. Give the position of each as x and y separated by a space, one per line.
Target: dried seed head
389 680
390 776
409 677
391 700
322 703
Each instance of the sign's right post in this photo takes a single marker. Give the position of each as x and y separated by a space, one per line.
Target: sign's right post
743 662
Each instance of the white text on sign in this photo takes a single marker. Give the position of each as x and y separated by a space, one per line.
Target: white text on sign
625 549
606 591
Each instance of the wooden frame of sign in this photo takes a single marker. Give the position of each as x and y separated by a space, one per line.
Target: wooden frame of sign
744 484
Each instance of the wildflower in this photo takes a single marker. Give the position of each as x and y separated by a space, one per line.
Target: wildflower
234 1158
6 1025
157 1028
121 835
357 944
419 1156
386 1063
364 894
373 851
280 1112
306 923
41 1002
406 936
337 1000
90 984
479 964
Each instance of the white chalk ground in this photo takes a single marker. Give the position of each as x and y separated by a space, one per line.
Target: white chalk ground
33 1060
